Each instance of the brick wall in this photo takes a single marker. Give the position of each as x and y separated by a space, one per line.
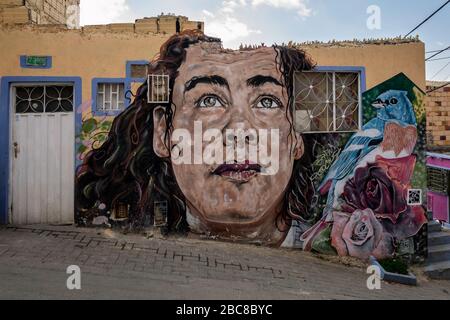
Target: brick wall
160 24
166 24
438 115
13 11
35 11
55 12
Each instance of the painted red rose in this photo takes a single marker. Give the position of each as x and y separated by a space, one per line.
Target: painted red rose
382 187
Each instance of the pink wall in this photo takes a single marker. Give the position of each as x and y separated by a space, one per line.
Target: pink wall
439 205
439 162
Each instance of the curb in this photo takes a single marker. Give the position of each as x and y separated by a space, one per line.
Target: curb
409 280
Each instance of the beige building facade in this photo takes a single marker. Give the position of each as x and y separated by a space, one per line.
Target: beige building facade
92 73
103 51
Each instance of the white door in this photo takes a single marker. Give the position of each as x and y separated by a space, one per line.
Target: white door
42 154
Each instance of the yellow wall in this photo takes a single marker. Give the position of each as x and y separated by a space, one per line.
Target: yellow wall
103 53
381 61
75 53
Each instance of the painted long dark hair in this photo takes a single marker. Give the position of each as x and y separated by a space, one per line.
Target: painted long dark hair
125 169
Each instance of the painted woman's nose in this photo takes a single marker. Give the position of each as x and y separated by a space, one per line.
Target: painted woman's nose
240 134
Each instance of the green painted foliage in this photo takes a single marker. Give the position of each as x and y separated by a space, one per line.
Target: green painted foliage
89 125
322 243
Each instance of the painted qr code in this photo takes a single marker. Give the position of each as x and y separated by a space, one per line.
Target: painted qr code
415 197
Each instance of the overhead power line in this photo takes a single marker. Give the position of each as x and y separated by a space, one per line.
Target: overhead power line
437 88
437 53
442 69
432 15
438 59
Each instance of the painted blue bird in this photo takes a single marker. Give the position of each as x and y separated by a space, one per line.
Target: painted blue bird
392 106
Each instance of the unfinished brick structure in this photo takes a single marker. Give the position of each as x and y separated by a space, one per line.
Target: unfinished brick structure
438 115
163 24
38 11
66 12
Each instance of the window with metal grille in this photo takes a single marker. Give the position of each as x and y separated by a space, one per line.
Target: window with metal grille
438 180
158 88
44 99
110 96
327 101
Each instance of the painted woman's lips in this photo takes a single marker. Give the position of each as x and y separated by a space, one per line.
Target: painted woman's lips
239 172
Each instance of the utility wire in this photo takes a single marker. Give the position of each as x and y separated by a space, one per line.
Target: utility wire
437 88
437 53
437 59
442 69
442 7
433 51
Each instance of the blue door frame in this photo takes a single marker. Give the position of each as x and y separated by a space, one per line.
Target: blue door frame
5 149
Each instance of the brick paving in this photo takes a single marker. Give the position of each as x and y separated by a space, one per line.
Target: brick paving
33 262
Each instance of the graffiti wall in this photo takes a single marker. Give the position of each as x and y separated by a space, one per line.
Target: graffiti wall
211 145
373 190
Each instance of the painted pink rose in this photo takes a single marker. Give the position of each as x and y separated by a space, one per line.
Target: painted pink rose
381 186
360 235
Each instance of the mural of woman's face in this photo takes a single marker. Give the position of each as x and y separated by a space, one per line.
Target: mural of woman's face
228 92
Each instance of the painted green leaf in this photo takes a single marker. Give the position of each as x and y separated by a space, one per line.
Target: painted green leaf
89 125
101 138
322 243
82 149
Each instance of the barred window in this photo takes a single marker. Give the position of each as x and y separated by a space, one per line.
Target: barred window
110 96
158 88
44 99
327 101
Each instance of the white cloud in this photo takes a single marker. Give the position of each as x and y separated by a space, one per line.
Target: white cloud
298 5
228 6
103 11
224 25
208 13
229 29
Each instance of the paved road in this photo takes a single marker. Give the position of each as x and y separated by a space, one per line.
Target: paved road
34 260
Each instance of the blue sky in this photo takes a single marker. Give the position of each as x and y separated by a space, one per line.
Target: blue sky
277 21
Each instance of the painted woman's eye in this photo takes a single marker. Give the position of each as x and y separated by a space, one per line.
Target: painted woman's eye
268 103
210 101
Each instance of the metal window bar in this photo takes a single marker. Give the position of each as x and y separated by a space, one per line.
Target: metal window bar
45 99
333 76
158 88
334 103
438 180
327 101
110 97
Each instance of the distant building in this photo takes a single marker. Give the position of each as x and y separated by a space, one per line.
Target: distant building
40 12
438 115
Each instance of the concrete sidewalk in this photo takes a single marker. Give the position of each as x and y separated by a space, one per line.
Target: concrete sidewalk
33 263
